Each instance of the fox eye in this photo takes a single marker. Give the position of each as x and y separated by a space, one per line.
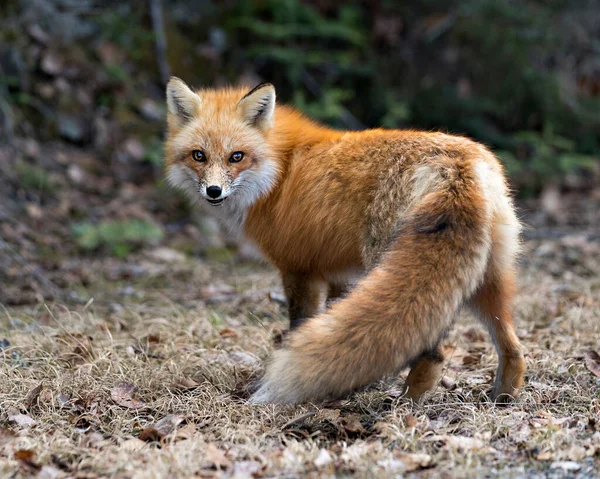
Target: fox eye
198 155
236 157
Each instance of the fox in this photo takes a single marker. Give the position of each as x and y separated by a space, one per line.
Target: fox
381 237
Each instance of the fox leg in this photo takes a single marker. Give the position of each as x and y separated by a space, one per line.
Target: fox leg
303 295
425 372
492 304
335 291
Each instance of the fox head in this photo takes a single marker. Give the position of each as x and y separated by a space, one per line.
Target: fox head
216 147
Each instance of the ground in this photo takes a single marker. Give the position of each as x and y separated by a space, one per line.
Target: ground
146 377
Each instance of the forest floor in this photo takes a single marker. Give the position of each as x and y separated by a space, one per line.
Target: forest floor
143 374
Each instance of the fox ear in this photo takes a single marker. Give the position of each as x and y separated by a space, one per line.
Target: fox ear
181 100
258 106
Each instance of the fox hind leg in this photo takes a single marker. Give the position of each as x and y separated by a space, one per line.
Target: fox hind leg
492 305
425 372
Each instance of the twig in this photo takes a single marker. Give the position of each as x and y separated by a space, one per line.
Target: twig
298 419
160 40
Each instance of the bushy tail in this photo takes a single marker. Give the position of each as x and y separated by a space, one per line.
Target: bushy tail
401 309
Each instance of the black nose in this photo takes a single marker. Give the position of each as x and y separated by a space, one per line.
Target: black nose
213 191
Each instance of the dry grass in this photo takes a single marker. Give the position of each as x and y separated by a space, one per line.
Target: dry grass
186 357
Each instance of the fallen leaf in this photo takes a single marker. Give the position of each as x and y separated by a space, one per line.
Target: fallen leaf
448 383
352 424
544 418
122 394
411 421
63 399
462 443
228 333
544 456
326 414
243 358
27 459
32 396
216 458
22 420
414 462
592 361
471 359
186 383
161 428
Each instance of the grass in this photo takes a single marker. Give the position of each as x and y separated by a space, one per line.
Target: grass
187 350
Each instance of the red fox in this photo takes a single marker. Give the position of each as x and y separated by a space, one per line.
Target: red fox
421 222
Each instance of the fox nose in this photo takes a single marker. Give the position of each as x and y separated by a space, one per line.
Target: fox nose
213 191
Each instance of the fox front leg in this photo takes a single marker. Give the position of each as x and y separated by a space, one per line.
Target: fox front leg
303 295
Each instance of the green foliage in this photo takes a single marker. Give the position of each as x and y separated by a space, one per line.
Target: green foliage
153 153
119 237
34 178
296 41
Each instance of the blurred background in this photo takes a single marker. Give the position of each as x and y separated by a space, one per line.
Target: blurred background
83 204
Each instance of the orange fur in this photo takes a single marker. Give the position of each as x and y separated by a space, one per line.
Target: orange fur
424 218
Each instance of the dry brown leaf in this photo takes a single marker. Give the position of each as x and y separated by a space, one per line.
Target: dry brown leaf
352 424
228 333
592 361
544 456
217 458
161 428
32 396
27 459
462 443
186 383
326 414
411 421
414 462
24 455
471 359
122 394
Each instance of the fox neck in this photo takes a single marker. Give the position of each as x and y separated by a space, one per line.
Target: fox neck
291 133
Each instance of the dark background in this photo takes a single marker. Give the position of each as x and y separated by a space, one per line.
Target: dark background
82 109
